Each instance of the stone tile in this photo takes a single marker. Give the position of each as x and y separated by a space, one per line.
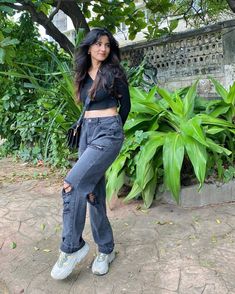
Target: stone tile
164 250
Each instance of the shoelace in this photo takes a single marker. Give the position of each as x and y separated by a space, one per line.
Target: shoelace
62 259
101 257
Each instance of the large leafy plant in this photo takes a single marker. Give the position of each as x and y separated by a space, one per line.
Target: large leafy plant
37 99
173 132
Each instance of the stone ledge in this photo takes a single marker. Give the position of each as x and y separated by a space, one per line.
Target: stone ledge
209 194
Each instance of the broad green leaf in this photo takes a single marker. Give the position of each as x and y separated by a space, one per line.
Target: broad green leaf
230 114
193 129
207 119
168 97
219 110
135 191
189 101
231 95
113 173
135 121
154 123
149 191
173 154
173 24
2 55
198 157
214 130
217 148
146 154
148 175
119 182
220 90
145 107
138 93
151 95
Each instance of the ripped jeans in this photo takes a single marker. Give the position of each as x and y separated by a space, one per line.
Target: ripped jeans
100 143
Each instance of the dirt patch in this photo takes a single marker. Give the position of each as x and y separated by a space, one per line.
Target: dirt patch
18 171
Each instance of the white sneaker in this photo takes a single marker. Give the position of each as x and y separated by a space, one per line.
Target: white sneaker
101 263
67 262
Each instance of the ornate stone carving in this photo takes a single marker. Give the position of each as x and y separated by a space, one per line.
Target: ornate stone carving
182 58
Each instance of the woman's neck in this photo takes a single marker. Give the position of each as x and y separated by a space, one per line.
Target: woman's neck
94 69
95 65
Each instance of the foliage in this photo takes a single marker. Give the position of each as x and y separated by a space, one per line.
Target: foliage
37 99
173 134
159 17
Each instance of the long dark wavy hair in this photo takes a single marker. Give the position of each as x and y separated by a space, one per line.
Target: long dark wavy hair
109 70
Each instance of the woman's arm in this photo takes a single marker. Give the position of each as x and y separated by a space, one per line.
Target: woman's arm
122 91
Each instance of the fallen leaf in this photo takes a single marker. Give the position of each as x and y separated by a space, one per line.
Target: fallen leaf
213 239
46 250
13 245
164 223
218 221
144 210
57 228
42 227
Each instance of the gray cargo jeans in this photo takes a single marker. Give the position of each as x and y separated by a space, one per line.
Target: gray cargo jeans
100 143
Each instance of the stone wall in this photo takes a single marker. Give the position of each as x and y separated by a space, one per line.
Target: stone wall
180 59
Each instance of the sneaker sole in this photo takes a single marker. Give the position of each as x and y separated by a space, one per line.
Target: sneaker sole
110 261
85 250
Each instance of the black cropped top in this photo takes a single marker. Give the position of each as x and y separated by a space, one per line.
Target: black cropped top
103 99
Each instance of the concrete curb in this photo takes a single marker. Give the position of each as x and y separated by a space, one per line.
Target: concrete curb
208 195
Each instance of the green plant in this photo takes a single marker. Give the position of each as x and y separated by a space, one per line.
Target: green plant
172 132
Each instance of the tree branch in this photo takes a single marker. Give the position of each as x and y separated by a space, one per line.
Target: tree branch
55 11
72 9
50 28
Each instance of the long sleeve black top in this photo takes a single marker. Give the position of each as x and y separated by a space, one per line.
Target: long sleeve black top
103 99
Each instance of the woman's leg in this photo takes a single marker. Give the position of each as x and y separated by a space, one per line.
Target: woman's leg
104 141
100 226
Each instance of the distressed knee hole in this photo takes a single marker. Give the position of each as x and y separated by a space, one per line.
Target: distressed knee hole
91 198
67 187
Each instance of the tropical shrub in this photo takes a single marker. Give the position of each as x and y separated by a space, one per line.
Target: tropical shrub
173 132
37 99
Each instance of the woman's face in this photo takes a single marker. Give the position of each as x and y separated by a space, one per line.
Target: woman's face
100 50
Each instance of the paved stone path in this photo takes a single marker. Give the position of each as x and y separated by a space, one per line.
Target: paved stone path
164 250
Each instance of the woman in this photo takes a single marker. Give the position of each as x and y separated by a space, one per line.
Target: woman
99 76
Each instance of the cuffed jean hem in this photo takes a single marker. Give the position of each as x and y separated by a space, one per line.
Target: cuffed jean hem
106 249
70 250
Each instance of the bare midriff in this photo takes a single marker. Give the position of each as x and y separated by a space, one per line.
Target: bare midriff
101 112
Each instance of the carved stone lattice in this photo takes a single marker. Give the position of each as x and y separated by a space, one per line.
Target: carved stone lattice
197 55
177 61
